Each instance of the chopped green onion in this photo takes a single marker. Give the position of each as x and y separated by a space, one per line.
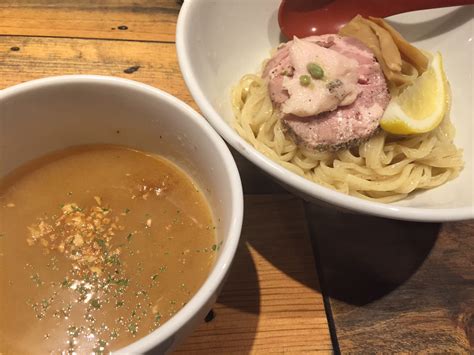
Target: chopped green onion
315 70
305 80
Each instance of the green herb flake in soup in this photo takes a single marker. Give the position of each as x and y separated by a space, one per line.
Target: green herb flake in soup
101 252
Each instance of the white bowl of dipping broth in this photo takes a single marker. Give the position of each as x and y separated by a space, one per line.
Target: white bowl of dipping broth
220 41
50 114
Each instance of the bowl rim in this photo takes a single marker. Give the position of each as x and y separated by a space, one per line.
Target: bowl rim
228 250
289 178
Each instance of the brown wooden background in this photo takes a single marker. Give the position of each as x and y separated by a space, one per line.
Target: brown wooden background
307 278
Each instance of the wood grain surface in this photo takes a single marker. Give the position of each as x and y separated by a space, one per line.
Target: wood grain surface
270 302
393 286
40 57
396 286
118 20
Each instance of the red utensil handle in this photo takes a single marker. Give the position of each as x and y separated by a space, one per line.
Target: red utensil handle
378 7
308 17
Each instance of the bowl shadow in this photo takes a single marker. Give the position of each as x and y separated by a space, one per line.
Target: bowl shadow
363 258
359 258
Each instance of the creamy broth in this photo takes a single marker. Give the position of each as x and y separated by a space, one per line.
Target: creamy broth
99 246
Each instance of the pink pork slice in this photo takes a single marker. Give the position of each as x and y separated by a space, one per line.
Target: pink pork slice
347 125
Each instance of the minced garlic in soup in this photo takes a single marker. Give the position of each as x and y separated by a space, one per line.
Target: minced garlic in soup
99 246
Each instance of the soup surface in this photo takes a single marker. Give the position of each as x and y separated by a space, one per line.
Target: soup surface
99 245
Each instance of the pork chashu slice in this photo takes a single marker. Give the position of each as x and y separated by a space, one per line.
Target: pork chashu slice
345 125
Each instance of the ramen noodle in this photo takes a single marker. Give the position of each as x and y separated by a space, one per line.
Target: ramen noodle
386 167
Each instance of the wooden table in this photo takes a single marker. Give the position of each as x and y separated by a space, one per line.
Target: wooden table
306 278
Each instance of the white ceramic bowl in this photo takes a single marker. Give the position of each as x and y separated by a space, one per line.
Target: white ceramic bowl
49 114
219 41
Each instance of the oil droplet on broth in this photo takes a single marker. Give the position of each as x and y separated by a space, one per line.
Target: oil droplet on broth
102 247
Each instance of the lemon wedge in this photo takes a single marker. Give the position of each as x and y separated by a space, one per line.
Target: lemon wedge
422 106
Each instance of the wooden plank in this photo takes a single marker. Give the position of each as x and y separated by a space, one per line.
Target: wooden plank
143 21
41 57
271 300
397 286
285 308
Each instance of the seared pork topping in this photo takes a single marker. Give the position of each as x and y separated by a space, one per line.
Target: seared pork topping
334 94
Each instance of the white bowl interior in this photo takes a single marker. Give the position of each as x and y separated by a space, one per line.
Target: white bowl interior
233 37
50 114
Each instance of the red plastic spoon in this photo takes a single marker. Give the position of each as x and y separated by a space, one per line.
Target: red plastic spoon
304 18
